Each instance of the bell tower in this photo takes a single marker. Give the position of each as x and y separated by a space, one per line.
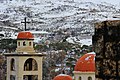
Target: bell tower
24 64
25 43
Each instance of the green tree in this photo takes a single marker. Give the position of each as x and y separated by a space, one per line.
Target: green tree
8 44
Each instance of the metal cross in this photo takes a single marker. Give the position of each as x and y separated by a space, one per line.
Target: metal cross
25 23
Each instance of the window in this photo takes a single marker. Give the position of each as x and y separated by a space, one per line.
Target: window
30 65
12 77
89 78
30 77
24 44
12 64
80 78
29 43
18 43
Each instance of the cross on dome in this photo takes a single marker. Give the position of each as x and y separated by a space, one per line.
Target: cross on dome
25 22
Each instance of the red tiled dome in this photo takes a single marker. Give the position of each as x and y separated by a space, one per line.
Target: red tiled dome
25 35
63 77
86 63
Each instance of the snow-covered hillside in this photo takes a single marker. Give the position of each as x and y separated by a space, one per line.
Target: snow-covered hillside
57 14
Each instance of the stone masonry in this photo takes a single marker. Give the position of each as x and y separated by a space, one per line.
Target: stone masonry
106 43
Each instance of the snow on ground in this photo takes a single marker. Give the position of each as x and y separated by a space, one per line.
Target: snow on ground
60 13
99 1
84 41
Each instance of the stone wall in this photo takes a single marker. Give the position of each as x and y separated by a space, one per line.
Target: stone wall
106 43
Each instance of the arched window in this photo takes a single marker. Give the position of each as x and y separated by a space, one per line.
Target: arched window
30 77
30 65
89 78
80 78
29 43
18 43
12 77
12 64
24 44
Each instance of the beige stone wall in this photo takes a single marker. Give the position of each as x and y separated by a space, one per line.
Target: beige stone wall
27 43
19 67
84 75
25 48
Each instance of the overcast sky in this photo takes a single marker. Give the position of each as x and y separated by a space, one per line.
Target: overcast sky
98 1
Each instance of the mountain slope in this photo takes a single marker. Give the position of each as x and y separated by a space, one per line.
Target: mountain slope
57 14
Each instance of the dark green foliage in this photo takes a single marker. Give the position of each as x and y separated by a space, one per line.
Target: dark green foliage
71 59
68 64
67 57
63 46
8 44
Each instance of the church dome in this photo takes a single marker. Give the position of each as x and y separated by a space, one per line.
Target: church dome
25 35
86 63
63 77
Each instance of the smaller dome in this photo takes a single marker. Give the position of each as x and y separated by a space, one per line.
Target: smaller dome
25 35
63 77
86 63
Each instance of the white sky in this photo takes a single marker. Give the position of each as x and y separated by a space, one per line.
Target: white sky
98 1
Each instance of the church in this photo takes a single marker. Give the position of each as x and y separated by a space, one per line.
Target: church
25 63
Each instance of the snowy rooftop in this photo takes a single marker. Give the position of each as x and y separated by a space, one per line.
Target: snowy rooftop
63 75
